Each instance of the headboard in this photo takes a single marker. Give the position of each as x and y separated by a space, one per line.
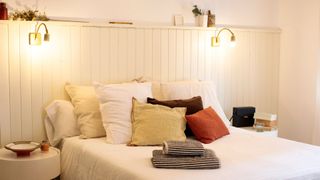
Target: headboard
31 77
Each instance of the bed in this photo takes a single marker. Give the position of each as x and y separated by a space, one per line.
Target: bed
243 155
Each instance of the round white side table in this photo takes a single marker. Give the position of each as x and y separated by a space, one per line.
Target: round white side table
39 165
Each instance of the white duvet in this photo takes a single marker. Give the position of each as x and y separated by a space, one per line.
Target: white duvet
243 155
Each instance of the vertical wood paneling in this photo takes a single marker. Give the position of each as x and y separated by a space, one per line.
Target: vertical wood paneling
113 54
5 128
95 54
122 72
156 55
31 77
179 55
104 43
85 65
208 58
201 55
194 54
172 54
131 57
187 55
25 61
164 55
15 86
75 51
148 61
140 52
36 95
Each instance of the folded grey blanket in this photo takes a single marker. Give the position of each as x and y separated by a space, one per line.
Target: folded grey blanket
183 148
207 161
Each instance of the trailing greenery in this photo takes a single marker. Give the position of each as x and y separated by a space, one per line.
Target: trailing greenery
28 15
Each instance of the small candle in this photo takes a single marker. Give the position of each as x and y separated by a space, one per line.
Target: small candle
44 146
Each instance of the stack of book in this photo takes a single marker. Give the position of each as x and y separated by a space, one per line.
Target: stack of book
265 121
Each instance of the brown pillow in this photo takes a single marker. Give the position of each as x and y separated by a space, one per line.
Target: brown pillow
207 126
193 105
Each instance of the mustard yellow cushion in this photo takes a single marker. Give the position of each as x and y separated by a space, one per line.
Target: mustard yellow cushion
154 124
86 109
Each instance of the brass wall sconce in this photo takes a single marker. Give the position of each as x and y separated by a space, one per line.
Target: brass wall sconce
215 40
35 37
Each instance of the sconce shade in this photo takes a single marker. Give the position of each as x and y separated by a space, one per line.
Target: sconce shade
35 39
47 37
233 38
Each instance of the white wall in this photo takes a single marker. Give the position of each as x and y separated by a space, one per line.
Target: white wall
262 13
299 66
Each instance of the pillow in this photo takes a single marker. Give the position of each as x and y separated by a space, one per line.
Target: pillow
116 106
86 109
207 126
193 105
60 121
154 124
188 89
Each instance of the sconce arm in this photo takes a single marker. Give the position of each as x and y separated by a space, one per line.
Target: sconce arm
225 29
45 26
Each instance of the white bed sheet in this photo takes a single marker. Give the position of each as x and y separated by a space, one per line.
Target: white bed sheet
243 155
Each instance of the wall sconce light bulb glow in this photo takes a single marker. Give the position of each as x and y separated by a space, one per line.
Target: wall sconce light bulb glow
215 41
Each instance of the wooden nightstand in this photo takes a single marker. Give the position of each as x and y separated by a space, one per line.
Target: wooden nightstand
39 165
273 133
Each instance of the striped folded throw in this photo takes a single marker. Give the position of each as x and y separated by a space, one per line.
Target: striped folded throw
207 161
183 148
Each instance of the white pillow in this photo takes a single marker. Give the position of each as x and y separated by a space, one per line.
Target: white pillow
189 89
60 121
116 106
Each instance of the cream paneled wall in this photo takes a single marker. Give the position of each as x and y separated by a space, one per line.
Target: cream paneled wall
31 77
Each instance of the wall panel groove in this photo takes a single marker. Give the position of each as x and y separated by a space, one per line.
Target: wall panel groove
31 77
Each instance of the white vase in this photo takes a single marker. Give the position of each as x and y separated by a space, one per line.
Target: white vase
202 20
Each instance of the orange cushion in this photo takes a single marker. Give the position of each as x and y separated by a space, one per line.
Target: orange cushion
207 126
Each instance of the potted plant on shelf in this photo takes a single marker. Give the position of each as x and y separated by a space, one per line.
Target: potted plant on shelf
201 18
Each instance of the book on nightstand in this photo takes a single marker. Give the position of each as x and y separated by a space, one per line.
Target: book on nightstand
265 121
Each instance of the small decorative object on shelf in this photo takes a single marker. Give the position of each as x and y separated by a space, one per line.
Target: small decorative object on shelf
28 15
3 11
178 20
44 146
201 18
211 19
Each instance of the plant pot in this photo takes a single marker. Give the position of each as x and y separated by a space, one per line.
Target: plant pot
202 20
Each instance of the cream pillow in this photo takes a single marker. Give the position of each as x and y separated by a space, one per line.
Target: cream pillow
116 106
189 89
60 121
154 124
86 109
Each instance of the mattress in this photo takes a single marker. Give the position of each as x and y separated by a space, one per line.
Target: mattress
243 155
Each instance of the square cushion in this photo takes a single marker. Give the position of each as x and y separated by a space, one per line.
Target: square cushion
207 126
154 124
193 105
116 106
86 109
